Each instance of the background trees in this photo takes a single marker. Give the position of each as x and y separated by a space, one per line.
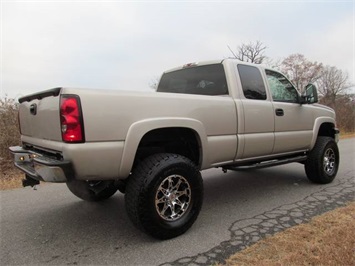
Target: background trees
332 83
301 71
9 133
252 52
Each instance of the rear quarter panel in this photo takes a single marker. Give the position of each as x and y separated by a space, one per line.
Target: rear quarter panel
111 116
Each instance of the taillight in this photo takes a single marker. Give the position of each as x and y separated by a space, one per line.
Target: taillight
71 119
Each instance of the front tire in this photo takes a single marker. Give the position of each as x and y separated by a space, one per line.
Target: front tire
323 161
164 195
92 190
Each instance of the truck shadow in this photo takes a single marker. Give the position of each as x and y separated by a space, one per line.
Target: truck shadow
242 185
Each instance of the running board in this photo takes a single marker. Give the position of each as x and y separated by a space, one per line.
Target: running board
265 163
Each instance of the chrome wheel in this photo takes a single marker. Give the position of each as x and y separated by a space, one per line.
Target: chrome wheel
322 163
164 195
173 197
329 161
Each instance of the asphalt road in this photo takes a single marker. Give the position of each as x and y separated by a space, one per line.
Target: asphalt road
51 226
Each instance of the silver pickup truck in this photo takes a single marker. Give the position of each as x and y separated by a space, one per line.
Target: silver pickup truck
153 145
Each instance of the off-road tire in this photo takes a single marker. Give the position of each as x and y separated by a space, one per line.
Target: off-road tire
92 191
147 186
322 163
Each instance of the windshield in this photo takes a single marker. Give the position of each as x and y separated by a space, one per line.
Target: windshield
204 80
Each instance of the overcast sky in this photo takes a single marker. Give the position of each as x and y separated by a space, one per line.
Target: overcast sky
126 44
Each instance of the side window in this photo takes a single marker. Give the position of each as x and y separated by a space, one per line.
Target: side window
252 82
203 80
281 89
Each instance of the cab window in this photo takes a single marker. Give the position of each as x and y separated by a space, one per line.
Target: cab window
252 82
281 88
203 80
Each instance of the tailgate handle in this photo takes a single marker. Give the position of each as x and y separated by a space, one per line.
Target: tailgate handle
33 109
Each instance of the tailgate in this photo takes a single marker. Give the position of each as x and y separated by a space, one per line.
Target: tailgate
39 115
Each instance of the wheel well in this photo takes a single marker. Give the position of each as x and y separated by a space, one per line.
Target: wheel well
183 141
327 130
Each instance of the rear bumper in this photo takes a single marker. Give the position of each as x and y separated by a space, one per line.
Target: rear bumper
41 167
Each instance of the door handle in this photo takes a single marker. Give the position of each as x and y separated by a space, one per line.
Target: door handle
279 112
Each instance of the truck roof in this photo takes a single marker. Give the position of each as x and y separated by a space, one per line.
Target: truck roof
209 62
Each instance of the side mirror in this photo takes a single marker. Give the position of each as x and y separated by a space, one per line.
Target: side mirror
310 94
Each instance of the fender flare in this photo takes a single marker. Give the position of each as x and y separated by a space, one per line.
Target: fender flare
317 124
138 129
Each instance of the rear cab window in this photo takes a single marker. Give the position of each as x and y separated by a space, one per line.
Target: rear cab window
202 80
252 82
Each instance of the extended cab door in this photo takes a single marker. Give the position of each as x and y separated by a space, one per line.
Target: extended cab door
256 135
293 121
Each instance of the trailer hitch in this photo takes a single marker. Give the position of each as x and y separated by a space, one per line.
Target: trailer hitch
29 181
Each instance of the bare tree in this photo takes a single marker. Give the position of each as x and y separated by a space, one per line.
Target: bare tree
154 82
9 133
252 52
332 83
300 70
273 63
345 110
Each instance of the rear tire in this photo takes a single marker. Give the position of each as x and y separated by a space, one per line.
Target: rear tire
92 190
323 161
164 195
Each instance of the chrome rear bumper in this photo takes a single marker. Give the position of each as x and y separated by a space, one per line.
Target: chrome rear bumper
41 167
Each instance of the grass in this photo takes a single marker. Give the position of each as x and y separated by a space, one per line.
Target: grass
328 239
347 135
11 178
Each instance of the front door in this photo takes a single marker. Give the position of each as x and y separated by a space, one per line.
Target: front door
293 121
